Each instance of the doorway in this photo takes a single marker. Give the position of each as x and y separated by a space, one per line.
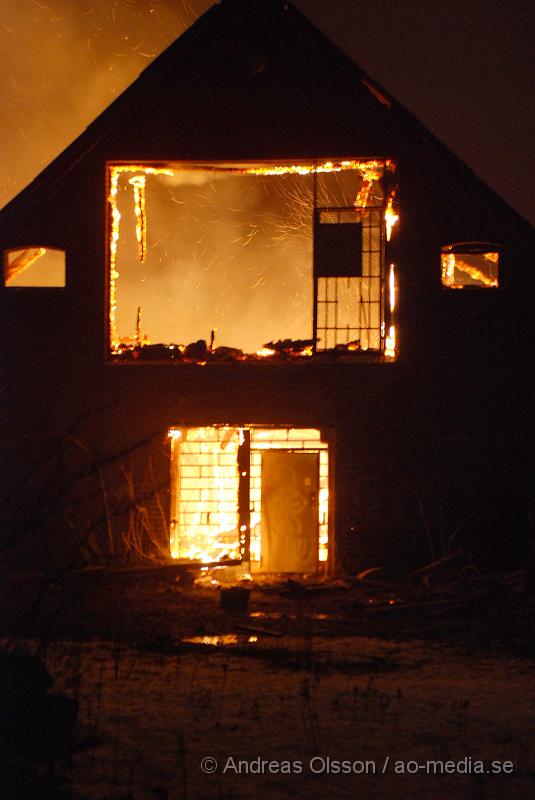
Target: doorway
252 495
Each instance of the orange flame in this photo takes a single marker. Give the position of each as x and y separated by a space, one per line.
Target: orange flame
392 288
364 167
391 218
115 222
390 342
139 183
452 262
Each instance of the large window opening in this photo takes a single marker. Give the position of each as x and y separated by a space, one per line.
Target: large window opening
241 262
253 495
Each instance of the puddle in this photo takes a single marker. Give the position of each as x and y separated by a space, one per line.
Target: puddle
222 640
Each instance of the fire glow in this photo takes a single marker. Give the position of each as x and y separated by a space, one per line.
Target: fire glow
392 288
390 339
206 475
22 262
139 183
458 273
115 222
391 217
370 170
390 342
277 234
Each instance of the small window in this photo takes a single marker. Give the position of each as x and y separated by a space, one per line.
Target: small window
34 267
473 265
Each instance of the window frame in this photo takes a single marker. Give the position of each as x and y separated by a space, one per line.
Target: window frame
474 247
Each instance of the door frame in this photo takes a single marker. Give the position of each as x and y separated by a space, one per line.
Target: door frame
244 503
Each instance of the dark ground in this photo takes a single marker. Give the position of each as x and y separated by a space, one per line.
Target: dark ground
152 605
163 676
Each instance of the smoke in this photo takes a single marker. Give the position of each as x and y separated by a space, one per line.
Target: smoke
63 62
225 251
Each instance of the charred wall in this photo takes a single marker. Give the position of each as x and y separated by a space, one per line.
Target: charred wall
417 454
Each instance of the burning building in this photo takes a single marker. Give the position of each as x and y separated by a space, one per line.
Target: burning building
256 314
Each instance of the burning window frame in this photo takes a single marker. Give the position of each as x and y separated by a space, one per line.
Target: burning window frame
139 349
458 273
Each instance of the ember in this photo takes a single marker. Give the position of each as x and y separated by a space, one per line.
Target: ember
289 347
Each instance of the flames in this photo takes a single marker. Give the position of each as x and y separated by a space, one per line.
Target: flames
392 289
114 240
287 348
390 342
137 347
391 337
371 171
206 515
138 182
391 217
452 262
368 169
448 270
205 526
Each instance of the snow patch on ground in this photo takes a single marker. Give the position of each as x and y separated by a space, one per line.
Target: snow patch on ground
157 715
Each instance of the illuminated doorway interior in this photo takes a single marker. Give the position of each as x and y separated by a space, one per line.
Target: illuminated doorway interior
254 495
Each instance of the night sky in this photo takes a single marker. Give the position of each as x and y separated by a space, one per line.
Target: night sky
463 67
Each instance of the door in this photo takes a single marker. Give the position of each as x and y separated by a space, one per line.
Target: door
290 525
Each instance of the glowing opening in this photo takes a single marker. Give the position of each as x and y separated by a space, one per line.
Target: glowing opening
214 262
206 481
34 267
470 265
